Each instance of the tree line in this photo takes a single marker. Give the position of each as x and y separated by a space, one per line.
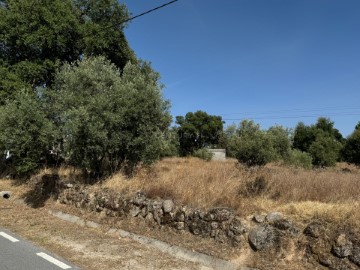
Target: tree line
319 144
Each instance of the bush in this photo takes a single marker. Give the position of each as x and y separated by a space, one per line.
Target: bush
171 145
25 132
280 141
251 145
322 141
325 151
203 154
351 151
298 158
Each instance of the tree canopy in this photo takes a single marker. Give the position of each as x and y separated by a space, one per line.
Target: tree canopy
198 130
108 118
351 151
322 141
37 37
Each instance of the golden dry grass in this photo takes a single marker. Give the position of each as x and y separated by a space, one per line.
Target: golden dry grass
328 193
332 193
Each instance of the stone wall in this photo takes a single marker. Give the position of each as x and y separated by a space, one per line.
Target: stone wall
322 242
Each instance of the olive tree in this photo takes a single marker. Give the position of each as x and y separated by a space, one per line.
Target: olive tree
26 135
109 118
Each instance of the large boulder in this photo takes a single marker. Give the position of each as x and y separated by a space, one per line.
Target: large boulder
262 236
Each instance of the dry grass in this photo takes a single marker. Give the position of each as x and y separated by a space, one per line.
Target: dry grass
329 193
332 193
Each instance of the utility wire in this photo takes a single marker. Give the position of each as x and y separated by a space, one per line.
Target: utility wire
132 18
318 109
291 117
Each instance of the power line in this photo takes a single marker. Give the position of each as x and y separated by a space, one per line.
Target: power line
291 117
132 18
318 109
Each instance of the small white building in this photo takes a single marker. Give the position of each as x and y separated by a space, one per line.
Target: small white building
218 154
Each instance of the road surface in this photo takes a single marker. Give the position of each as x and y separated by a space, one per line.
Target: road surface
18 254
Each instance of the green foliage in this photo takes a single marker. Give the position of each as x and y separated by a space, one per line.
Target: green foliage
198 130
251 145
99 36
280 140
351 151
37 37
203 154
325 150
25 132
298 158
107 119
171 144
304 136
322 141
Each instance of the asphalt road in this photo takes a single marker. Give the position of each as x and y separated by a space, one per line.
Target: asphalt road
18 254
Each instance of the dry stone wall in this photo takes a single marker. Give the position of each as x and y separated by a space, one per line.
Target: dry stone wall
324 244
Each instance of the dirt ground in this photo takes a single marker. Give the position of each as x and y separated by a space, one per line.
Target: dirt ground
85 247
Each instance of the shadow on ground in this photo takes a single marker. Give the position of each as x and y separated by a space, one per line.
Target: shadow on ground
44 187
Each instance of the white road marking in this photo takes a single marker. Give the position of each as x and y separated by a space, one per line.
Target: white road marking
53 260
9 237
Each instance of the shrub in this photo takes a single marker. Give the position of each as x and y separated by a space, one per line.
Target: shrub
325 151
203 154
171 145
280 141
251 145
351 151
298 158
25 132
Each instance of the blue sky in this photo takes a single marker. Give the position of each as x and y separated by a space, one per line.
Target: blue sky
274 61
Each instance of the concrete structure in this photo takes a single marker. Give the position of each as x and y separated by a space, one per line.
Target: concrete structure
5 194
218 154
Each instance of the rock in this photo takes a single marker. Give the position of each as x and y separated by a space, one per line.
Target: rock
156 205
149 216
343 247
259 218
355 256
166 219
199 227
180 225
168 206
261 237
272 217
294 231
139 199
220 214
282 224
158 213
236 241
313 229
180 216
237 227
134 211
325 261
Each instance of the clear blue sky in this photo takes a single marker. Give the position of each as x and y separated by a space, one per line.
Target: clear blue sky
274 61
